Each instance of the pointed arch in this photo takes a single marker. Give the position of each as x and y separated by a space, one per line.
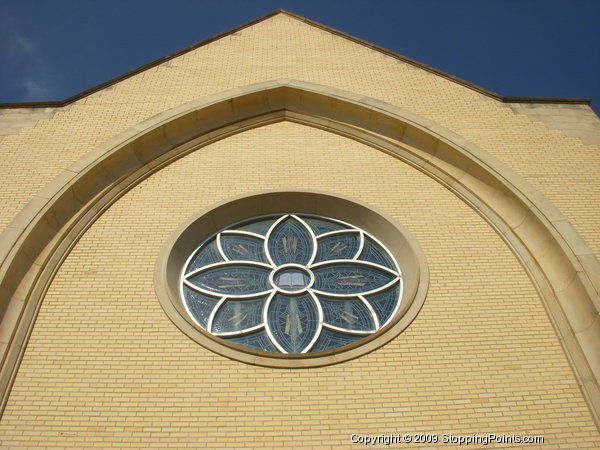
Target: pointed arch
562 267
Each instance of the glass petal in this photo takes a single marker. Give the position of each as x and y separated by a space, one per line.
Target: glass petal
384 303
290 242
199 305
347 313
258 341
258 227
233 279
239 247
238 315
207 254
350 279
293 321
320 226
373 252
330 339
338 246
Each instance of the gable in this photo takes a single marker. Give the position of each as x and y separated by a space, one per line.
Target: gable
462 169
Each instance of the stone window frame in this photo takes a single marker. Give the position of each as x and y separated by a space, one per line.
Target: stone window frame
401 244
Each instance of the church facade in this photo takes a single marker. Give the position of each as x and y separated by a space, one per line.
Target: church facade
487 208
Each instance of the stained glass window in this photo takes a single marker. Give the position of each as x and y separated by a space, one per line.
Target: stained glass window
291 283
239 247
236 316
334 246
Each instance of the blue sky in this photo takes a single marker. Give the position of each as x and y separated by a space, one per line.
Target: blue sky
51 50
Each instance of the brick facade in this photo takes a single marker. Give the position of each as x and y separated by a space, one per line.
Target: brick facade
104 365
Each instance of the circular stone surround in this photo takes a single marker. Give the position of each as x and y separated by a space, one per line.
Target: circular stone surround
182 245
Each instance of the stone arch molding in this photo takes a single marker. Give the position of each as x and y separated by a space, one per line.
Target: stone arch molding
562 267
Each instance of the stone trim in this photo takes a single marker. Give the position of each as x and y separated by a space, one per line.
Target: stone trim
562 267
12 121
184 241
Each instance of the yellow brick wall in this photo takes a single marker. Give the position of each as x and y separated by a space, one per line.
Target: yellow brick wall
283 47
105 366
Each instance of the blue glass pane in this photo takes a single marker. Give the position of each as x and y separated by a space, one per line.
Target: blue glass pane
200 305
258 227
347 313
373 252
338 246
258 341
320 226
290 242
384 303
242 248
293 321
330 339
233 279
208 254
348 279
238 315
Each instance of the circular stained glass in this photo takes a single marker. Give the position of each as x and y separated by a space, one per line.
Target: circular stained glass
291 283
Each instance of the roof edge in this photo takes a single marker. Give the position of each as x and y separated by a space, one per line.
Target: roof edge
467 84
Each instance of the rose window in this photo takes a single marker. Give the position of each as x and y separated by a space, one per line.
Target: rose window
292 283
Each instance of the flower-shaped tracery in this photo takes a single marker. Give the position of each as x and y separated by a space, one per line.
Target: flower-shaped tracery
292 283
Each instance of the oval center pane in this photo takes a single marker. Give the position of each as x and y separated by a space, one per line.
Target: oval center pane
292 279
